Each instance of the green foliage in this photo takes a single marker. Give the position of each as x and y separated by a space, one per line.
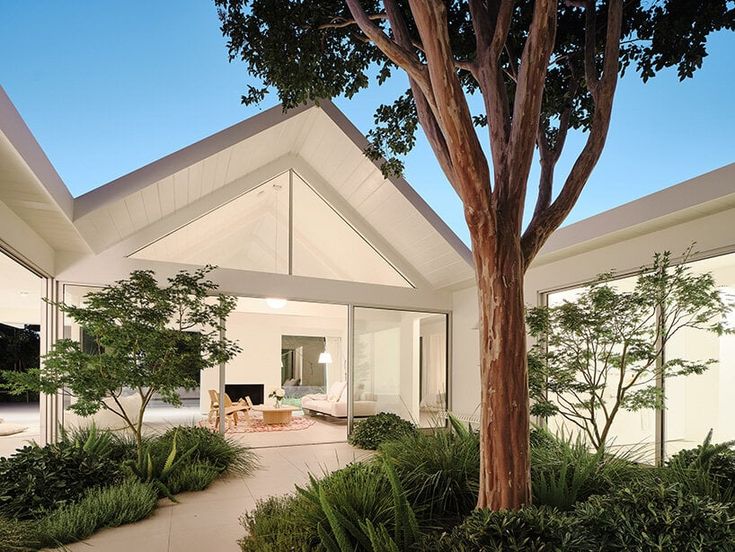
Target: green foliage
126 502
156 467
355 508
648 517
222 453
147 337
308 50
531 529
608 343
195 476
439 470
564 471
36 480
384 426
275 525
19 352
659 517
707 470
18 536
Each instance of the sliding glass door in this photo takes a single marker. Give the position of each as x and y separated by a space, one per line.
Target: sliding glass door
400 364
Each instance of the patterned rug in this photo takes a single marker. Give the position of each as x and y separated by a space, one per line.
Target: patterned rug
256 425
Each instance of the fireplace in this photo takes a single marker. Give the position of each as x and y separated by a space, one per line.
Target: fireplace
237 391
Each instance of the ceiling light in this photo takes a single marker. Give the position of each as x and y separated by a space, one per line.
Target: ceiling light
276 303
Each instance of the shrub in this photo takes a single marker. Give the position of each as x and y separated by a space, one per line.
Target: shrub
17 536
193 477
36 480
707 470
439 470
127 502
271 526
210 447
656 517
564 471
385 426
531 529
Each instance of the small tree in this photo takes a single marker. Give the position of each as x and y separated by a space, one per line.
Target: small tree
603 352
145 337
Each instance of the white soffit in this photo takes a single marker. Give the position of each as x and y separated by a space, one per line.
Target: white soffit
30 186
319 136
703 195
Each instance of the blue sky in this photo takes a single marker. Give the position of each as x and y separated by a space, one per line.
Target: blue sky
108 87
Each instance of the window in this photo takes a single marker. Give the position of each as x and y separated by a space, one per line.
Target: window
284 227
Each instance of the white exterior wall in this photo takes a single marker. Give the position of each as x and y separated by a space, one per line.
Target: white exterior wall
465 373
713 234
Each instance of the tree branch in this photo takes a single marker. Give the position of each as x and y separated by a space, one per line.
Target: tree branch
549 156
511 191
424 110
590 39
471 173
401 56
491 32
545 223
341 22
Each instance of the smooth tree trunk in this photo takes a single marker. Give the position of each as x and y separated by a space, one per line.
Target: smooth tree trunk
505 479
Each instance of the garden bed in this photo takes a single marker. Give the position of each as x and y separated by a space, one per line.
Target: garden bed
419 493
65 492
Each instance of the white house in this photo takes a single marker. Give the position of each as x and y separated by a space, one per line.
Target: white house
346 281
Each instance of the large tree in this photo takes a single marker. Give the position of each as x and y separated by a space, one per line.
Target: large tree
541 68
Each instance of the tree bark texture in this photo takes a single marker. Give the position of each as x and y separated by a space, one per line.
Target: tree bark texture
504 440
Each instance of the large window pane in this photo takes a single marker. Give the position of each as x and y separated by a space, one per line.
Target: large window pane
400 364
325 245
630 430
697 403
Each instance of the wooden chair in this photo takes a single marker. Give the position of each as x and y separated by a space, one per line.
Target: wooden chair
232 410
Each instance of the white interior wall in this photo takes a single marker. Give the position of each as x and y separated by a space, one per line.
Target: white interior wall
259 336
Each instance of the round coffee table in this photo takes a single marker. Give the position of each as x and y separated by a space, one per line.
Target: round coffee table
275 415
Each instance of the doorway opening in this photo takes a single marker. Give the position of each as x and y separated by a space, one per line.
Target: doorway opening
20 347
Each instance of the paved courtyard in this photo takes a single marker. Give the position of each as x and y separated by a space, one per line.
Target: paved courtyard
209 520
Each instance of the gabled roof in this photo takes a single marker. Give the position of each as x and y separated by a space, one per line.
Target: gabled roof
31 187
321 144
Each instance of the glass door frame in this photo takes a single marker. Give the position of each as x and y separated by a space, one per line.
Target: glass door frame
351 353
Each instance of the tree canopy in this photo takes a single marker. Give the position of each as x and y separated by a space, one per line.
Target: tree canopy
309 50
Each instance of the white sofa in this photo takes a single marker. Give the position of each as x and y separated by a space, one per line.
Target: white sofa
334 403
103 418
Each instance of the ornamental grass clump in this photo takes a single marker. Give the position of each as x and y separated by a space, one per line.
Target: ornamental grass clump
126 502
565 472
440 471
222 453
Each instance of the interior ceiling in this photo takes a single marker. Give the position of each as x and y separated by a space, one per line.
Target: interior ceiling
312 136
20 294
292 308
